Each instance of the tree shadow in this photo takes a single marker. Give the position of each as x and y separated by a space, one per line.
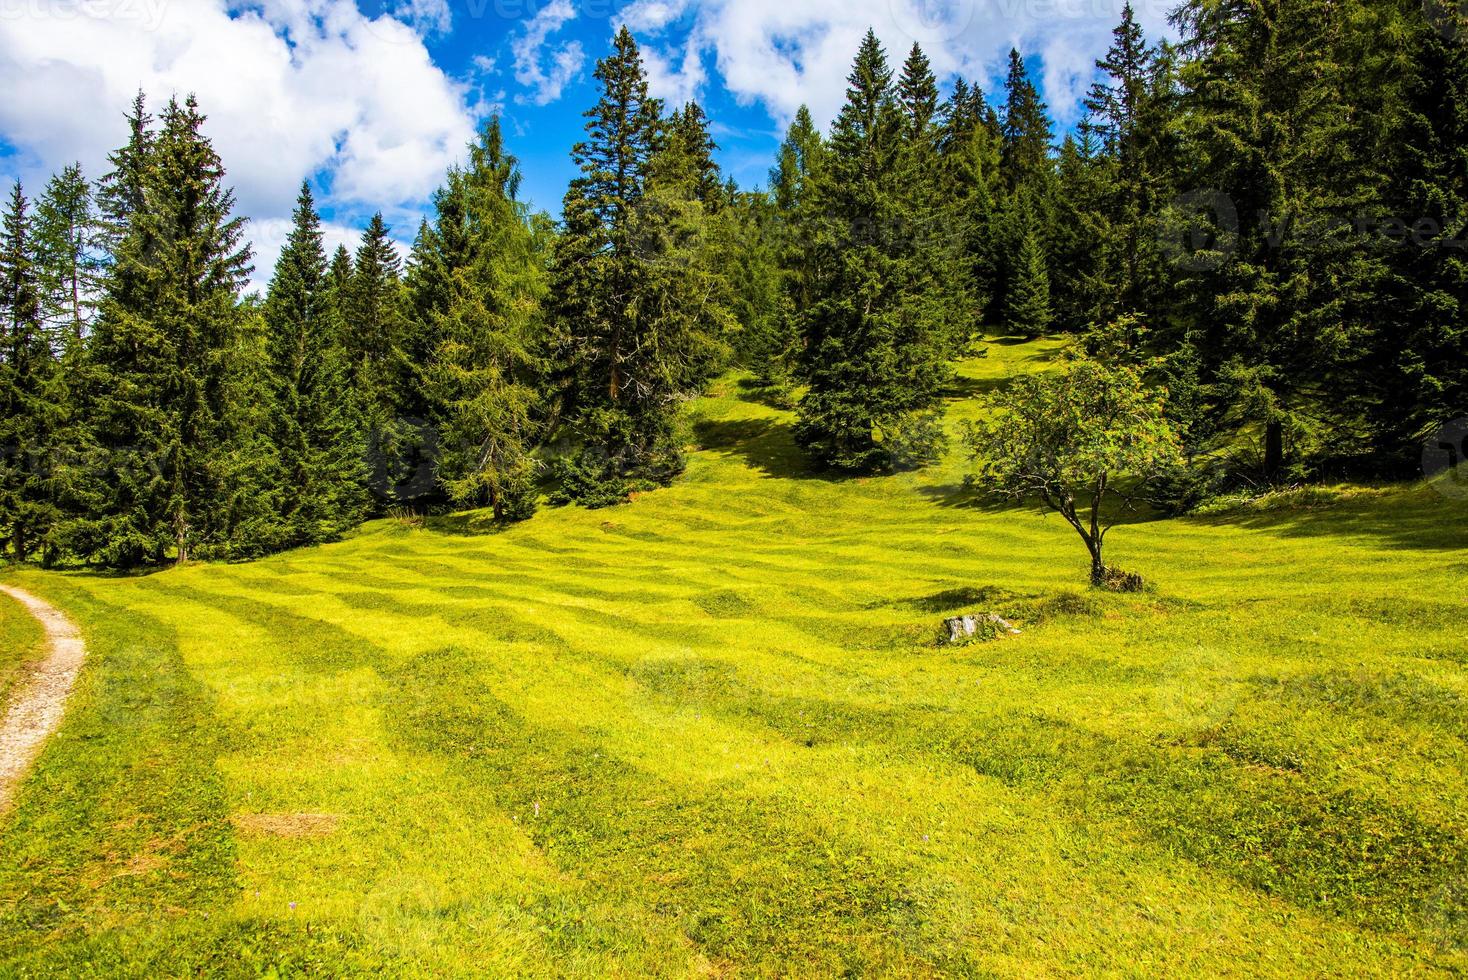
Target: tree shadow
961 496
1413 521
961 388
767 445
467 524
755 393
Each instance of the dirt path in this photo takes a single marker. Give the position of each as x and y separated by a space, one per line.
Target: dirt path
39 701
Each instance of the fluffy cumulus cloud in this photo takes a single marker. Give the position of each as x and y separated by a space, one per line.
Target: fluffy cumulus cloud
543 66
292 88
781 54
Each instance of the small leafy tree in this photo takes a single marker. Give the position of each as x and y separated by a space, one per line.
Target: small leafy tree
1076 439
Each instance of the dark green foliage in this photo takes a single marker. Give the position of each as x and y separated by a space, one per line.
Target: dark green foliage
375 328
638 307
483 378
872 359
68 255
1274 95
1423 350
28 377
1027 308
317 481
168 386
772 352
1026 130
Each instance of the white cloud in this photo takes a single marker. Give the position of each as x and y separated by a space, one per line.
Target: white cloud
675 84
781 53
564 61
292 88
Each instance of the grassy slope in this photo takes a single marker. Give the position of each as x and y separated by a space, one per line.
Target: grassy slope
709 731
22 643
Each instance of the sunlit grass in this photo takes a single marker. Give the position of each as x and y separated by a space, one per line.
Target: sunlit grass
711 731
22 643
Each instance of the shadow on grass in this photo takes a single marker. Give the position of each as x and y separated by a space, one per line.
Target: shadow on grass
961 388
470 524
767 445
755 393
961 496
1416 520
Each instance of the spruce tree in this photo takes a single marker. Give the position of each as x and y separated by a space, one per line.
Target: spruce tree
939 240
872 358
1287 309
1027 131
483 379
1130 114
970 189
28 416
68 254
684 162
772 351
166 350
641 317
1027 312
318 472
1420 359
375 326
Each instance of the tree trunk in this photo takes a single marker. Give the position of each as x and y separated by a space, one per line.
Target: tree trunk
1273 448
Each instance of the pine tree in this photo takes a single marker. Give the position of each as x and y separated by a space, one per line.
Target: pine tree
1026 130
1285 313
28 416
917 93
382 379
1130 112
1027 311
1083 281
68 254
312 426
166 350
940 243
484 376
772 351
1419 363
684 162
640 314
872 358
969 186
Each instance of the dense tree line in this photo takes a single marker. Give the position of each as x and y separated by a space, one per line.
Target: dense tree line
1265 219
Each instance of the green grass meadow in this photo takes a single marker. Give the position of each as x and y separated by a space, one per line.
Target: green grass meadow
712 732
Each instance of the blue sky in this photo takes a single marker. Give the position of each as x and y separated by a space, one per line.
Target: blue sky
373 99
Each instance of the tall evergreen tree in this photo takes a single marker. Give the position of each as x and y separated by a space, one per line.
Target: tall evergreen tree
872 358
642 325
970 190
484 376
318 483
684 162
1130 112
1274 94
68 255
1027 312
939 246
1027 131
772 352
27 413
165 349
1421 355
375 327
